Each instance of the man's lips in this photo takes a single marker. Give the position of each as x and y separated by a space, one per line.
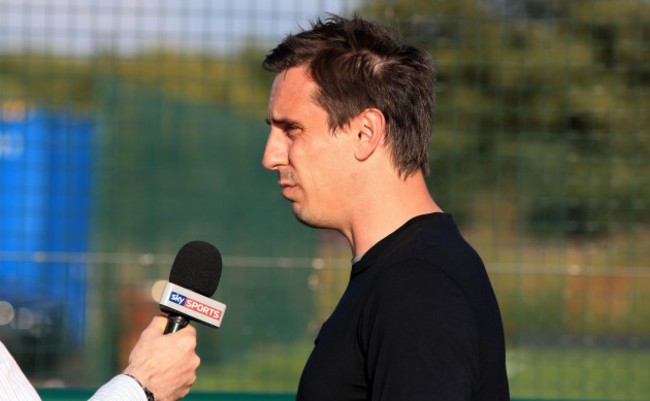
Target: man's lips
286 182
286 188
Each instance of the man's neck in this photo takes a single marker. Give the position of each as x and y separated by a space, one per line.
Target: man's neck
386 209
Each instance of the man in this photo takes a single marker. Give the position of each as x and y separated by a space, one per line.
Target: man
350 115
153 372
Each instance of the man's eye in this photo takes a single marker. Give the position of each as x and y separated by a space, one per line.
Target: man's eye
291 130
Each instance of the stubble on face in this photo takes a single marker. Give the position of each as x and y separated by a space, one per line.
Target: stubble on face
298 206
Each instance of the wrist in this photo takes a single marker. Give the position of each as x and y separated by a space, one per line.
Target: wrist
147 392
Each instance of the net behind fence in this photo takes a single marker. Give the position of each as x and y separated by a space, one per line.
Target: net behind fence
130 128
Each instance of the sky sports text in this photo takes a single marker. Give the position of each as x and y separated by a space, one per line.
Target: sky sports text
196 306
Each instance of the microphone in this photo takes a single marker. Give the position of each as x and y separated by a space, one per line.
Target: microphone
193 279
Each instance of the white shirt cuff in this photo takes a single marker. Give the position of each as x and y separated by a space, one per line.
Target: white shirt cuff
120 388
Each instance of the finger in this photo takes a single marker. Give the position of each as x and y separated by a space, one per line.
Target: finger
158 323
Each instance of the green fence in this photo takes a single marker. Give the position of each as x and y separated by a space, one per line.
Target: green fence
540 151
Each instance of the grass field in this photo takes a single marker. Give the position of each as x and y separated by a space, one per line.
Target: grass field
579 373
553 373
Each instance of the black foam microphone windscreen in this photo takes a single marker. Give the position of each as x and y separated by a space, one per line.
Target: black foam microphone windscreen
197 267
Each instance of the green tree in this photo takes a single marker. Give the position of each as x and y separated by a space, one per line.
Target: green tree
545 98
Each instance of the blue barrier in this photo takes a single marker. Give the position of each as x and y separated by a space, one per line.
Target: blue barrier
45 189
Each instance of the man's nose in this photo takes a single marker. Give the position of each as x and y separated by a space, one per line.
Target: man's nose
275 153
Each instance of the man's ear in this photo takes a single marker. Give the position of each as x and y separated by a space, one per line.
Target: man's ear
370 133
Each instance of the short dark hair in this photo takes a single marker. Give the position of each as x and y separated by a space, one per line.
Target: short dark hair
359 64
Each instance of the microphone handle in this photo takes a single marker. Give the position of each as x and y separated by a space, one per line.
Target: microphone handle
175 323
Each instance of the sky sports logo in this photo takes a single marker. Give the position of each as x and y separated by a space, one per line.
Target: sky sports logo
177 298
196 306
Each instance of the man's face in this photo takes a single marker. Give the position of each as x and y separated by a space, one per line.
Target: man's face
313 163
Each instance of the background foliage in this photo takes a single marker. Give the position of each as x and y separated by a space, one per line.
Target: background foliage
539 150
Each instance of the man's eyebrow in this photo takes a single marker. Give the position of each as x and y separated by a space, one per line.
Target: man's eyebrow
282 122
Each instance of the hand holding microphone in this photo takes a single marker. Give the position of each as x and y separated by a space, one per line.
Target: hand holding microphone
164 365
164 361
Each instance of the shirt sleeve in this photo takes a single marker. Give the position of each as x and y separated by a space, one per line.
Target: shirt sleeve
15 386
13 383
120 388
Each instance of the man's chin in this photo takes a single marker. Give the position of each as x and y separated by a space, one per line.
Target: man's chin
305 219
307 222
